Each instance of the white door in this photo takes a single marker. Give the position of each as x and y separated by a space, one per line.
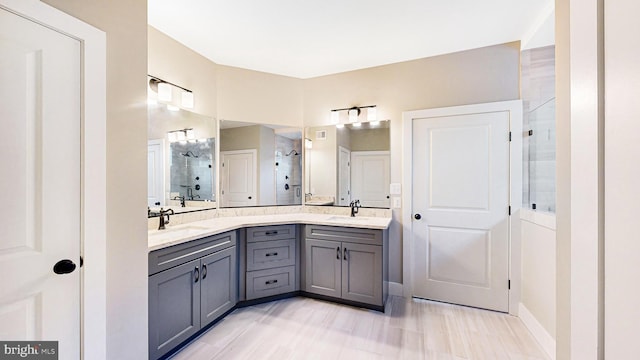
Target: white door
344 176
460 205
370 178
40 151
155 172
238 178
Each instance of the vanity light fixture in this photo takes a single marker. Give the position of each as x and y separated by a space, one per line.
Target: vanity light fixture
187 99
372 114
335 117
308 143
165 93
353 114
181 135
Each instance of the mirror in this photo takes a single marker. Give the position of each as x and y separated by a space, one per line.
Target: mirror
181 159
260 165
347 164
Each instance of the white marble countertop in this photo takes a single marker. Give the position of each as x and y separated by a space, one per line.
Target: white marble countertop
178 234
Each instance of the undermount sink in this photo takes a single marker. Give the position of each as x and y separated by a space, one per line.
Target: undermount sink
348 218
182 231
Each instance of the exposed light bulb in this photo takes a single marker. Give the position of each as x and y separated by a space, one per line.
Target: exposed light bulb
340 126
374 123
357 124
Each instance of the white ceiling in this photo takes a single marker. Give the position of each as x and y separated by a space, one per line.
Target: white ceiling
307 38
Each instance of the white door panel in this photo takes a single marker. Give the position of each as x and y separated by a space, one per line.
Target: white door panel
344 176
40 216
370 178
155 172
461 190
239 182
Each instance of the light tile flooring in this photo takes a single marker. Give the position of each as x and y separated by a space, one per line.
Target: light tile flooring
301 328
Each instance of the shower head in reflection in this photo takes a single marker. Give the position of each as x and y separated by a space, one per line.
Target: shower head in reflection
294 152
189 154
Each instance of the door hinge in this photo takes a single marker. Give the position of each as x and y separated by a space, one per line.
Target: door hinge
509 210
530 132
509 285
509 135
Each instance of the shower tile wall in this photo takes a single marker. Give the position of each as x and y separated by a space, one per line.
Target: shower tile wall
288 171
191 167
539 155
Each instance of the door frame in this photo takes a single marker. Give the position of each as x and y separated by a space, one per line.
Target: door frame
93 283
514 108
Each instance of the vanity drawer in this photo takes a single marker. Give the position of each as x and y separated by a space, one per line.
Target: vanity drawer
163 259
346 234
263 283
269 254
268 233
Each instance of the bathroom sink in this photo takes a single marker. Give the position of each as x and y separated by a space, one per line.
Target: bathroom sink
348 218
179 232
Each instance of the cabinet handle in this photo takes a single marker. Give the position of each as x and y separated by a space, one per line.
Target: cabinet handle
338 253
345 253
272 254
197 271
271 233
204 271
270 282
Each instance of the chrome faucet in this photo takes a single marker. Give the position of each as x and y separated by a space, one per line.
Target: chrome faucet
355 205
164 213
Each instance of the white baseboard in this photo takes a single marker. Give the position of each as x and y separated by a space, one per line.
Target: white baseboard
395 289
541 335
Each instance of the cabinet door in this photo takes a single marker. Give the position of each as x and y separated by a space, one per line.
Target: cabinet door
174 307
362 273
219 287
324 265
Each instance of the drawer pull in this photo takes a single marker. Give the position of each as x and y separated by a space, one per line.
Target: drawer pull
197 274
271 233
271 254
338 253
345 253
204 271
270 282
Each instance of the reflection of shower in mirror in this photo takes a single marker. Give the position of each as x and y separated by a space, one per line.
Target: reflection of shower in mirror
294 152
190 154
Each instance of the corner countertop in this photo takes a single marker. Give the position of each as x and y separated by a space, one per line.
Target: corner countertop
174 235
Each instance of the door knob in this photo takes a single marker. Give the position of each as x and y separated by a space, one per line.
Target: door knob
249 197
417 216
65 266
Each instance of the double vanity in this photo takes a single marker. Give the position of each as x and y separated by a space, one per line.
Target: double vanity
201 271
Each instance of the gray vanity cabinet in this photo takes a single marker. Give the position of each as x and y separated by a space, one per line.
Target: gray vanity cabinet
219 284
271 260
346 263
174 303
190 285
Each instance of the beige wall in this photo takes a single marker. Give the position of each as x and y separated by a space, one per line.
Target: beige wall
125 23
475 76
622 203
174 62
539 273
252 96
370 140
